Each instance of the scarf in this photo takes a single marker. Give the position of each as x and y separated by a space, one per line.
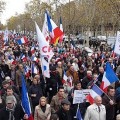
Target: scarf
11 113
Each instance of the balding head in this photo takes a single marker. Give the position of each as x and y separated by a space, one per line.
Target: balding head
98 100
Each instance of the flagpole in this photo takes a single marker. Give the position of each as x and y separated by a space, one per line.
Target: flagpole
94 83
42 69
104 92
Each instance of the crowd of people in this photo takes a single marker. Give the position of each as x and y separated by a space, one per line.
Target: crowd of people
51 98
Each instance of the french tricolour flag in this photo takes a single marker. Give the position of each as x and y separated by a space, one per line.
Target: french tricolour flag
27 71
34 69
13 61
23 57
35 59
95 91
109 77
64 78
25 100
22 40
54 30
61 28
32 50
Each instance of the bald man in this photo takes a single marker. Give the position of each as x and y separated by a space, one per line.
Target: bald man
96 111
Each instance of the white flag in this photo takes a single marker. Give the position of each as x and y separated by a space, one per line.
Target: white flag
45 51
6 36
45 66
45 29
117 44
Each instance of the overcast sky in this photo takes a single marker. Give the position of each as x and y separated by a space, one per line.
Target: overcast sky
16 6
13 6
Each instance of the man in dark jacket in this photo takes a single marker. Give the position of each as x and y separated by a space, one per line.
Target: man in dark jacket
10 92
109 103
101 72
53 83
64 113
12 111
74 107
86 80
35 92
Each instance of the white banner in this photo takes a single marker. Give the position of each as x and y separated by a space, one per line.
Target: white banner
117 44
80 95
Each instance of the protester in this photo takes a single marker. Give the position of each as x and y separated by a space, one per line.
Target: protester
19 72
74 107
12 111
109 102
86 79
10 92
65 113
53 83
43 110
56 101
96 111
73 74
82 70
35 93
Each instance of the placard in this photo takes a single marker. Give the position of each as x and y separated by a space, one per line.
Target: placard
80 95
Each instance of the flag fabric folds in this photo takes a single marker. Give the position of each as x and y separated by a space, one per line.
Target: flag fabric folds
117 44
32 50
45 51
54 30
35 59
23 58
27 71
43 44
22 40
64 78
109 77
61 28
45 29
25 100
5 38
95 91
45 66
78 114
34 69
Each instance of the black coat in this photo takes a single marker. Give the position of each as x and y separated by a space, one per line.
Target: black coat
74 107
64 115
35 89
85 82
18 113
110 109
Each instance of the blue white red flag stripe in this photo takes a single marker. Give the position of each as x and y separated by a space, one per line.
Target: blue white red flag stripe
64 78
22 40
109 77
25 100
95 91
